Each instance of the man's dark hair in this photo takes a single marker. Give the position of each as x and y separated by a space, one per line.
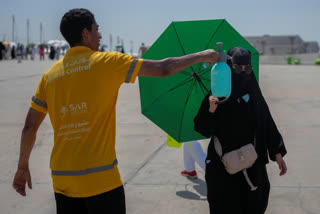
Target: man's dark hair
73 22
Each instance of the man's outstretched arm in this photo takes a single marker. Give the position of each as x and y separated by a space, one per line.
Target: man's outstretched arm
172 65
28 138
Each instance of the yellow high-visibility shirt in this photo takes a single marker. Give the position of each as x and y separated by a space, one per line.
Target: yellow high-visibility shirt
80 93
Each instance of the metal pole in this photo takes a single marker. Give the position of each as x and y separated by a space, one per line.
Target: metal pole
13 22
28 25
40 32
110 41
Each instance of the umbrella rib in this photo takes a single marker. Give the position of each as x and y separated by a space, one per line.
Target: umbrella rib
201 87
200 72
184 109
181 43
203 78
180 84
212 38
201 84
175 87
204 71
214 34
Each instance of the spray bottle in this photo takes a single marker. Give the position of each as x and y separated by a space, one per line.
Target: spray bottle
221 77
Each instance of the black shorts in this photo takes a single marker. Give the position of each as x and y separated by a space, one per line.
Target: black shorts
112 202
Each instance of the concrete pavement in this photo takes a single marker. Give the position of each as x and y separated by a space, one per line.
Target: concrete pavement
150 170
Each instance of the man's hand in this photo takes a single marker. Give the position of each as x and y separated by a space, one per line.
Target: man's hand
209 56
213 103
282 164
22 177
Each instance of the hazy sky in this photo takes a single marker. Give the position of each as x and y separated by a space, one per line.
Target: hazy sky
144 20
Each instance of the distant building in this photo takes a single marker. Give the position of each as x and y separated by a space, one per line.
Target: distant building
311 47
281 45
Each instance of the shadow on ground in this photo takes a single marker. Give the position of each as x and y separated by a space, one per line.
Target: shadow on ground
195 191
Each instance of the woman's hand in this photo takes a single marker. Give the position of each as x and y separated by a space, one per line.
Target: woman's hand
213 103
282 164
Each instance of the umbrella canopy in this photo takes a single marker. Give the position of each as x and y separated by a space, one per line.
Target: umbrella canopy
57 43
173 102
53 42
13 44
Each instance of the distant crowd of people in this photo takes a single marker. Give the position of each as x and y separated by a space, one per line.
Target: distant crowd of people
19 51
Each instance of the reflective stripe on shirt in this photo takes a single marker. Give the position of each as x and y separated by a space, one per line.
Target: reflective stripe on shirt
85 171
39 102
131 69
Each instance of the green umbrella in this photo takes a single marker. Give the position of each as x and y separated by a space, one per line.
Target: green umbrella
172 102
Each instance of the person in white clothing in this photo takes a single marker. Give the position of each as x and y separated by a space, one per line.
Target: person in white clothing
192 153
33 52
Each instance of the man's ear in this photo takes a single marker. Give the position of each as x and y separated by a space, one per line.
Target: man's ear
85 34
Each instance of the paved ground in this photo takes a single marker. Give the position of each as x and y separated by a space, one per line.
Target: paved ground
150 170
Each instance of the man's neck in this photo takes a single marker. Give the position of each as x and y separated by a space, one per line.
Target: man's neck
80 44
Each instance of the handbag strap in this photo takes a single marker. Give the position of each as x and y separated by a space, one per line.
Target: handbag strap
252 187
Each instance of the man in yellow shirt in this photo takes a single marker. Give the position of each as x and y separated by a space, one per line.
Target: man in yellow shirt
79 92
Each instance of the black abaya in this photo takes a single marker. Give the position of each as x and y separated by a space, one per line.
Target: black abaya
236 123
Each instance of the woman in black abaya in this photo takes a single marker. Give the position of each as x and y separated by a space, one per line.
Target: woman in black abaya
244 118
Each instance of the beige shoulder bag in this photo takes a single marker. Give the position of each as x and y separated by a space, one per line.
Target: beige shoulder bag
238 160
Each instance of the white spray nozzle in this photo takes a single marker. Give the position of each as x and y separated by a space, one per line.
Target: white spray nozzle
205 65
